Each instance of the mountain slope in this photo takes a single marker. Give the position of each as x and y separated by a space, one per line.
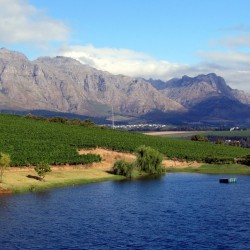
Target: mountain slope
64 84
190 91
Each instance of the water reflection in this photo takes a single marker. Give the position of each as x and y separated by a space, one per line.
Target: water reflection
43 195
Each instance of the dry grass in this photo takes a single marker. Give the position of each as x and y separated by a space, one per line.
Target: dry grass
16 179
109 157
171 132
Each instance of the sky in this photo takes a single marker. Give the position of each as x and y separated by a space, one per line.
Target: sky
159 39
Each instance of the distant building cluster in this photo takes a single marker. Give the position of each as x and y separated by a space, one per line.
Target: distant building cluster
140 127
234 128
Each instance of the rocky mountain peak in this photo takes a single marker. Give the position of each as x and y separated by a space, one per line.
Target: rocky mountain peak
8 55
191 90
58 60
64 84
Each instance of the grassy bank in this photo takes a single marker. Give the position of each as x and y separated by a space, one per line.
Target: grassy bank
215 169
18 182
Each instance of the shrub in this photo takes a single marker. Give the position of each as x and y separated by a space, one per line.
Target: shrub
199 138
218 160
149 160
124 168
244 160
4 163
42 169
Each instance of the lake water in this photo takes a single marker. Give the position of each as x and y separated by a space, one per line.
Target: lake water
176 211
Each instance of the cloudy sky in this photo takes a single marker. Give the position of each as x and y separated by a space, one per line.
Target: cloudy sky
158 39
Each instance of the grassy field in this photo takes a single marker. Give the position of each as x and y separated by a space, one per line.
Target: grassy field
215 169
18 182
29 142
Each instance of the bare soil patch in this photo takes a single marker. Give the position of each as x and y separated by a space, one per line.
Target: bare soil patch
110 157
16 177
170 132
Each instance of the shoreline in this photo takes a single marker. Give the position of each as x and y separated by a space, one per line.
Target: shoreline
16 180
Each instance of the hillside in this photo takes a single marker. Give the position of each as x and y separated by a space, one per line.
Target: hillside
208 99
190 91
29 142
66 86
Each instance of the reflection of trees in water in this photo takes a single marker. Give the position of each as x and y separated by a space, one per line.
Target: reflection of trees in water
43 194
4 202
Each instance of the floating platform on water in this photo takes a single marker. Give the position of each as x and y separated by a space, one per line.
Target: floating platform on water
228 180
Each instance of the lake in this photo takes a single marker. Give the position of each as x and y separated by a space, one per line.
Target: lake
176 211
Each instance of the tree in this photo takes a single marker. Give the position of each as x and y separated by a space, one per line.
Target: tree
234 143
4 163
199 138
88 123
149 160
124 168
74 121
244 160
219 141
42 169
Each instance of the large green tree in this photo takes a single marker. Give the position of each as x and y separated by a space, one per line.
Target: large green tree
149 160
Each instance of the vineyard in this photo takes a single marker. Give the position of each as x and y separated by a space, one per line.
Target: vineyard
29 142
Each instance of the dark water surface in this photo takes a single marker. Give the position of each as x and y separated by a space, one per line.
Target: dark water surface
177 211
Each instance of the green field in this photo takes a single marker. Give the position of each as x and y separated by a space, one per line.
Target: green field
215 169
29 142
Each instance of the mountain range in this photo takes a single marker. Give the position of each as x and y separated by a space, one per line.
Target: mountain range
62 84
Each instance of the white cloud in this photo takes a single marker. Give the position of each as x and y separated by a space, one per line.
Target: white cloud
233 66
22 23
122 61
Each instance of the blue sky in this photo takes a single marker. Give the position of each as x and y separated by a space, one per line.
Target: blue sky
151 38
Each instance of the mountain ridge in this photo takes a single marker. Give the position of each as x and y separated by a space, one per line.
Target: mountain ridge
63 84
191 90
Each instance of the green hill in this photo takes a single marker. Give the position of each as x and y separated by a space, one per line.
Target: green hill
30 141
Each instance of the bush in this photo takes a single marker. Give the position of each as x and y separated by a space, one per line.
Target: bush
216 160
4 163
42 169
149 160
199 138
124 168
244 160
